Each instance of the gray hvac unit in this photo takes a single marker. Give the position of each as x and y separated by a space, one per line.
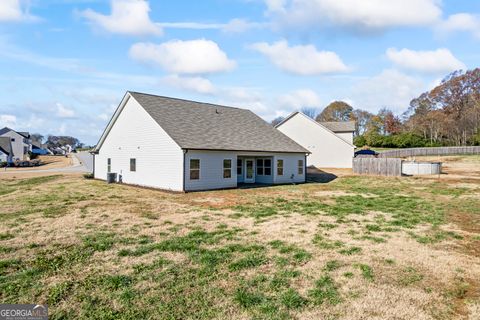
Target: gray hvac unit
111 177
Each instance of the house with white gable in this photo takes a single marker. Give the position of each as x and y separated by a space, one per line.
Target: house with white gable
183 145
6 154
330 143
21 143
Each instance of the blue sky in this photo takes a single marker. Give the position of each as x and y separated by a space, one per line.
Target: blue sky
66 64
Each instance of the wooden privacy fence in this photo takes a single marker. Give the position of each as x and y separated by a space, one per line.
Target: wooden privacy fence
436 151
378 166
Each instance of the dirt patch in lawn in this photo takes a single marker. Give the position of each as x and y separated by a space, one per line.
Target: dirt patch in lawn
355 248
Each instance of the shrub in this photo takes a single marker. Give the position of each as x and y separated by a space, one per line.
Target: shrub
476 138
3 164
360 141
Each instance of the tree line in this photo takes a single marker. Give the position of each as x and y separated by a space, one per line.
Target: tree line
52 141
447 115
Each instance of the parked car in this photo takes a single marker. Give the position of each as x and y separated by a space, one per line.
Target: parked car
366 153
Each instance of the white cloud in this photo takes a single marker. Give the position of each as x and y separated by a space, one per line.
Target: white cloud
276 5
461 22
64 112
435 61
390 88
130 17
183 57
13 11
107 113
298 99
240 26
302 60
196 84
7 120
243 97
365 15
233 26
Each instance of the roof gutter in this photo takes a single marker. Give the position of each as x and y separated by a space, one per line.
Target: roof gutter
264 151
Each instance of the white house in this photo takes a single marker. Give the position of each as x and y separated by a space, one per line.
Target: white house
328 149
184 145
344 129
5 150
21 143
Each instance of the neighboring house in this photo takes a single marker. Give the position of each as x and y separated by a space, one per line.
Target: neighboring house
5 150
184 145
57 151
328 149
344 130
39 148
21 143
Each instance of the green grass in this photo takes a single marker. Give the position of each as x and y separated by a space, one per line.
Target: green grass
367 272
109 269
350 251
323 243
410 276
325 291
6 236
250 261
332 265
435 236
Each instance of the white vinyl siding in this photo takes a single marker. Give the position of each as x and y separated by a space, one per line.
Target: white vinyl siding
159 160
290 168
347 136
211 170
328 150
3 157
18 147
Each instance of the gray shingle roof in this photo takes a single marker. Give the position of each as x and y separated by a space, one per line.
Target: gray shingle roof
346 126
196 125
25 134
5 130
5 145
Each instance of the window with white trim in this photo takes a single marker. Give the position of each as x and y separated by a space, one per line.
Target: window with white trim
264 167
279 167
300 167
109 165
227 168
194 169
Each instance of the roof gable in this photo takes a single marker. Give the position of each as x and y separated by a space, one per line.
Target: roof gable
25 134
205 126
340 126
5 130
5 145
300 114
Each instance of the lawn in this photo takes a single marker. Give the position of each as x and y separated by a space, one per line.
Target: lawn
353 248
